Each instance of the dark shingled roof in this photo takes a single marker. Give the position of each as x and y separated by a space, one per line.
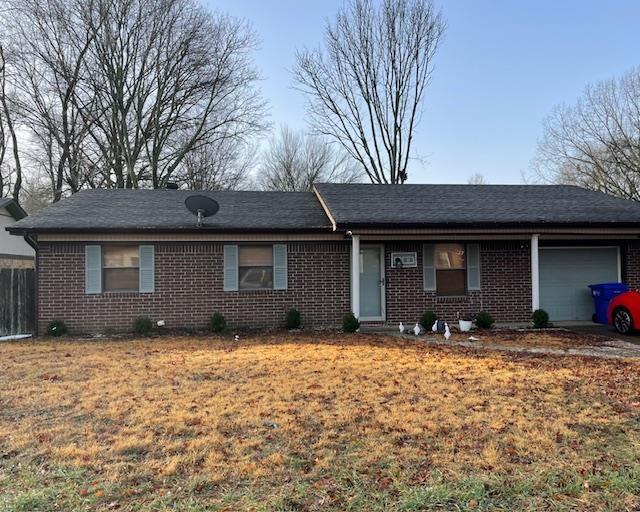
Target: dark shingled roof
134 210
12 207
351 206
360 205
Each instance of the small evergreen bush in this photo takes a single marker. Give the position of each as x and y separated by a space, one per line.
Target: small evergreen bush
56 328
484 320
293 319
350 323
217 323
143 325
427 320
540 318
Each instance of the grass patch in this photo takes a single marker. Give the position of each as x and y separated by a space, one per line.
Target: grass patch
313 422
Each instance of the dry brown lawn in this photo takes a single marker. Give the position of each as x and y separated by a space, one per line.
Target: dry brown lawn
313 422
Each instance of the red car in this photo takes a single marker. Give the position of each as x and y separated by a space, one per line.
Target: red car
624 312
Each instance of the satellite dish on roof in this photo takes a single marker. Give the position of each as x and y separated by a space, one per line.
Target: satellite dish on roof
201 206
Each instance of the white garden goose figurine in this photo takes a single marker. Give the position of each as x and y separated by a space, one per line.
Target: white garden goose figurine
447 332
417 330
401 328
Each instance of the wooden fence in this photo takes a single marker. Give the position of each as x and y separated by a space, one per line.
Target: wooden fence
17 301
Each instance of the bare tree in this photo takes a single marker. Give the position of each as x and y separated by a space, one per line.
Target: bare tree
365 89
294 162
119 93
596 142
170 77
477 179
218 166
50 43
7 119
36 192
5 171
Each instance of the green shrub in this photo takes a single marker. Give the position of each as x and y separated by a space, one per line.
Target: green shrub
56 328
427 320
484 320
143 325
293 319
540 318
217 323
350 323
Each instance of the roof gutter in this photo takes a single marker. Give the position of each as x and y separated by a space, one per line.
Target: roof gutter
486 226
204 229
405 234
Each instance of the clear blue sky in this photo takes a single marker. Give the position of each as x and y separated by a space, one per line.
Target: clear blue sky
502 67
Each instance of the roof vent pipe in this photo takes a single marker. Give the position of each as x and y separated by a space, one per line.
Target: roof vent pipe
172 185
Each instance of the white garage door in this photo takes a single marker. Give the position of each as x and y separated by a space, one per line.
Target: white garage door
565 275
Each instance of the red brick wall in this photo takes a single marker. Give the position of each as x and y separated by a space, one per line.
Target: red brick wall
505 282
188 289
631 264
505 275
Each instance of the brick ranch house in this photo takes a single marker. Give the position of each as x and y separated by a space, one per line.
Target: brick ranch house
386 252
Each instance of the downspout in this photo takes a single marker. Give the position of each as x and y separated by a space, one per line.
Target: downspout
32 242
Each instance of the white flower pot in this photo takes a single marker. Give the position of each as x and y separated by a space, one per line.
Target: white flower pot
465 325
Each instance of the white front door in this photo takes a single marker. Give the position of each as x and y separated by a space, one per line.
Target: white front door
372 282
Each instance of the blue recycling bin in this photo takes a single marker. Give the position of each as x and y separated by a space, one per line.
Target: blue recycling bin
602 294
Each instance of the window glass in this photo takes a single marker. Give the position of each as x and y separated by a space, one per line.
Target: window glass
450 256
450 282
119 256
255 256
120 267
255 267
450 269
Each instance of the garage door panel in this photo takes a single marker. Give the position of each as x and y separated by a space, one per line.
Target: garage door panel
565 275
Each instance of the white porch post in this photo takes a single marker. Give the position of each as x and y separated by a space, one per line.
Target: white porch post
535 273
355 275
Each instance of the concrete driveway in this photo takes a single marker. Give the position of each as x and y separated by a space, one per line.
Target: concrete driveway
600 330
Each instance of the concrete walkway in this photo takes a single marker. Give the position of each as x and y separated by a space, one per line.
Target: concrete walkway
612 348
